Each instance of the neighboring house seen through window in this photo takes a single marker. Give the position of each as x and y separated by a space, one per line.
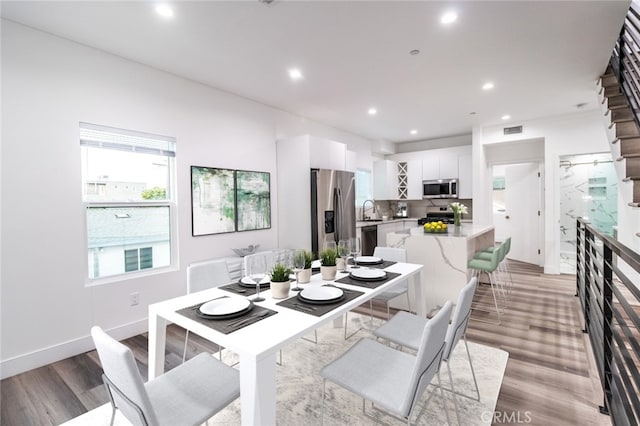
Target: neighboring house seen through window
126 186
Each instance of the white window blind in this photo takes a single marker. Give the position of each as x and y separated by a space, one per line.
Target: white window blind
126 140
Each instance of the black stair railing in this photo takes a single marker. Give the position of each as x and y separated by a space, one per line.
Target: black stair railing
608 286
625 59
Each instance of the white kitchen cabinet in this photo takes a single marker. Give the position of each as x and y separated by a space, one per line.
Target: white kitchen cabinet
351 163
430 167
414 180
465 177
443 166
397 180
385 180
448 166
327 154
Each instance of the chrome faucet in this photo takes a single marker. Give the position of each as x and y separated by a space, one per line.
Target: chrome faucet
373 204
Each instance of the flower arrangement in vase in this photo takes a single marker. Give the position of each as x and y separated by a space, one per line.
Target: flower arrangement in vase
328 266
280 282
458 210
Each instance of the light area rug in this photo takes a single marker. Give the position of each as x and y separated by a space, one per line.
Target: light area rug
299 387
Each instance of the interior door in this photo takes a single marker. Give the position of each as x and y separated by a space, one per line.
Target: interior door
523 212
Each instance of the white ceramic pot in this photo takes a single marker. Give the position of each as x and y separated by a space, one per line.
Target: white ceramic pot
328 272
304 276
280 290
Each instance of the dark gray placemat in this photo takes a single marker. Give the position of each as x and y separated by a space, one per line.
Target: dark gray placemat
238 288
318 310
227 326
368 284
384 264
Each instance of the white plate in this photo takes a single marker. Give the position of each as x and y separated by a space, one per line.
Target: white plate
368 259
321 293
368 274
225 306
249 280
316 264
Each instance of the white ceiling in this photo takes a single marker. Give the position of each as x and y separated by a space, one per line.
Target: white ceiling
544 57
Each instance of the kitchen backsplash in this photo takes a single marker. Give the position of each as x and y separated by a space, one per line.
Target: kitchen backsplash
417 208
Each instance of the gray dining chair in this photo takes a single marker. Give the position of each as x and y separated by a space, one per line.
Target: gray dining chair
396 255
405 330
187 395
392 379
203 276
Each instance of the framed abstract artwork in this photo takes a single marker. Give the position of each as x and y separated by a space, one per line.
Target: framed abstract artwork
253 200
212 200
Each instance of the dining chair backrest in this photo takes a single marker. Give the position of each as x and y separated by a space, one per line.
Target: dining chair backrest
428 357
461 316
507 249
390 253
125 383
207 274
267 254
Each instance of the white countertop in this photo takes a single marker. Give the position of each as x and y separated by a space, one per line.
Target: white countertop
466 230
361 223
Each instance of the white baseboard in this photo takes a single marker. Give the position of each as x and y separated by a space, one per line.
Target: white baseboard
20 364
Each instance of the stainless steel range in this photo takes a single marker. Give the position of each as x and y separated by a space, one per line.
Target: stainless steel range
445 217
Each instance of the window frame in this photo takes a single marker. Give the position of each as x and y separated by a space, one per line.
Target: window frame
170 202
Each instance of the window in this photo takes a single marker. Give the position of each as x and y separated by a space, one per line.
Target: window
126 188
363 186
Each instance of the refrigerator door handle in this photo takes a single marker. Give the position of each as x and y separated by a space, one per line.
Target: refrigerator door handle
337 202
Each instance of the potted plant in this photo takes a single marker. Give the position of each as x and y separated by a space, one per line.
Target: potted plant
328 266
280 281
304 276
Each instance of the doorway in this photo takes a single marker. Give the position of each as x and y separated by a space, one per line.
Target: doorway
518 210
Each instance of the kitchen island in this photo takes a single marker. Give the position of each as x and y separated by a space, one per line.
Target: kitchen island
444 256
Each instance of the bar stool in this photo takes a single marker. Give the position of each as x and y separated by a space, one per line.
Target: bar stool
503 267
489 267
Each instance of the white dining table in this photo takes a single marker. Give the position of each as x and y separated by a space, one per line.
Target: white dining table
258 343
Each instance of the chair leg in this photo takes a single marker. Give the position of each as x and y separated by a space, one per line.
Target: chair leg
346 323
444 401
184 352
453 392
408 302
324 385
473 373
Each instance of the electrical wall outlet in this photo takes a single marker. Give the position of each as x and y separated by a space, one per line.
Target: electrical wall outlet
134 299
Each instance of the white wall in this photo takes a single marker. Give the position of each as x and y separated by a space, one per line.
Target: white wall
579 133
49 85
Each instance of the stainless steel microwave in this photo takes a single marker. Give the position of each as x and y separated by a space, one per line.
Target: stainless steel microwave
441 188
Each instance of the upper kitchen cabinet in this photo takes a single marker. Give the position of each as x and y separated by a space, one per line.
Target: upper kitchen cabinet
465 177
385 183
327 154
442 166
401 180
351 163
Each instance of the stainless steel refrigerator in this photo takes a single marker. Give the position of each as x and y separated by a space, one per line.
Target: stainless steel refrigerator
333 206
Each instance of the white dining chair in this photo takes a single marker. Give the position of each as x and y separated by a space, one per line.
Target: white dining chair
392 379
405 330
189 394
396 255
203 276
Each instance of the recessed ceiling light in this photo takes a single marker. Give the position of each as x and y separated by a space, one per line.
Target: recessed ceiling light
488 86
414 132
164 10
506 117
372 111
448 18
295 74
414 52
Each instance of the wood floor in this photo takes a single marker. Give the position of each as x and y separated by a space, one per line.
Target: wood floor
550 378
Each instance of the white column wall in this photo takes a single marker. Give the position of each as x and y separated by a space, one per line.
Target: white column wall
578 133
49 85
